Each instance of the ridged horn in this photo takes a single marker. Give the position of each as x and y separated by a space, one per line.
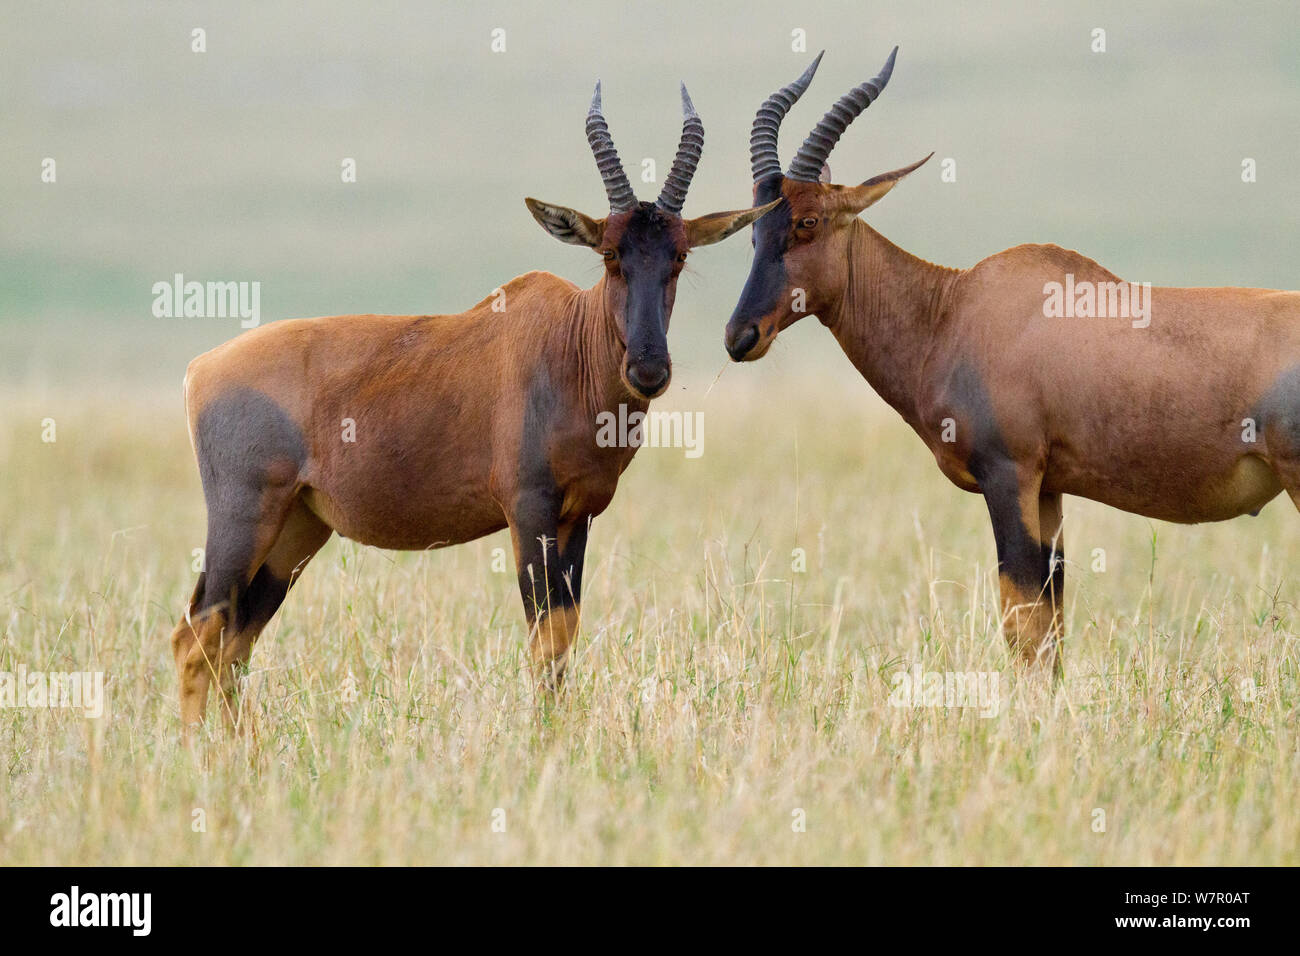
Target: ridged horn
807 163
673 196
619 190
763 158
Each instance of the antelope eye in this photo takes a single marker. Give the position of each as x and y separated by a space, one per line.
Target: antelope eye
610 255
681 257
808 222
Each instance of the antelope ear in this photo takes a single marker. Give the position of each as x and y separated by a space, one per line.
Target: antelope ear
854 199
716 226
567 225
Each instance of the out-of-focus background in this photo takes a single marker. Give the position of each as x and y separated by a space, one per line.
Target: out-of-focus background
722 684
226 164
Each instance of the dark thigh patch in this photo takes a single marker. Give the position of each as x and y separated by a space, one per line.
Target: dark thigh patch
243 438
1278 414
250 453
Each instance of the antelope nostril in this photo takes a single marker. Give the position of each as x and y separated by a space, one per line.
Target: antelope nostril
648 380
740 346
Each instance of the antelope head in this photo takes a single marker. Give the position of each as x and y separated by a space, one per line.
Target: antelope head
801 254
644 245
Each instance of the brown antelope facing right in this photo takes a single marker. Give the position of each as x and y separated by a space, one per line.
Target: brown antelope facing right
1185 407
462 425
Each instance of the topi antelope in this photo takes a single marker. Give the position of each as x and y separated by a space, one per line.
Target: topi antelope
1189 412
413 432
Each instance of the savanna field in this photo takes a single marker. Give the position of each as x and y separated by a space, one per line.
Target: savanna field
746 613
714 694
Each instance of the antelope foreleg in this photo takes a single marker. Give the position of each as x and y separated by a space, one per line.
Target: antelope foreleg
549 559
1029 571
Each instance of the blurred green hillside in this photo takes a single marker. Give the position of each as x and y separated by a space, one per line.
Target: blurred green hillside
226 164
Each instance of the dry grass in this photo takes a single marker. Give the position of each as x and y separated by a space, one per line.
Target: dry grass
714 694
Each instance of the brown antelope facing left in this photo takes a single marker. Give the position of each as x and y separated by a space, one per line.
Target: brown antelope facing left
462 425
1033 374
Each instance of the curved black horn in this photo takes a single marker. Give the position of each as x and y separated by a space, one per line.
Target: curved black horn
807 163
763 158
619 190
673 196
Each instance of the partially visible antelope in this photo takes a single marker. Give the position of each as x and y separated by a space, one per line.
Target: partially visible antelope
1186 408
461 425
